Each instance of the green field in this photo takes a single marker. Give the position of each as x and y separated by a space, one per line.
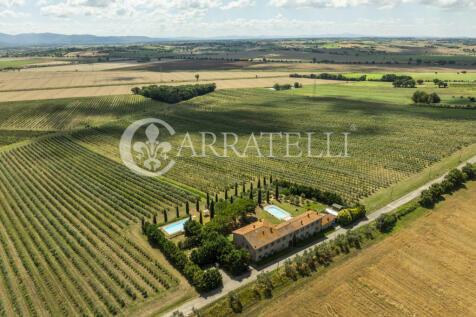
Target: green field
385 92
18 63
378 155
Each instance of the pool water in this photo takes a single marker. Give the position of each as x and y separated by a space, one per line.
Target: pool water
175 227
277 212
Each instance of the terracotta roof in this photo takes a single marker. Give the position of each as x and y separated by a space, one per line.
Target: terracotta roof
328 218
252 226
262 232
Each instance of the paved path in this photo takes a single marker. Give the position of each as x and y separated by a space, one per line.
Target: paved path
232 283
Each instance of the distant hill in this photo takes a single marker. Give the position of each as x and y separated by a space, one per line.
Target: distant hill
53 39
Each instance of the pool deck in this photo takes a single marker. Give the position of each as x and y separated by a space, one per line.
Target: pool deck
175 233
271 213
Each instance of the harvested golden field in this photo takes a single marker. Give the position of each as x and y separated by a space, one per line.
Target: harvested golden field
126 89
426 269
369 68
26 80
87 67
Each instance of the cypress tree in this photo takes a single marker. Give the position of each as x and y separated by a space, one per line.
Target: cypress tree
259 182
267 196
231 199
212 210
198 205
216 197
270 179
236 189
142 224
244 189
201 218
276 192
264 181
187 208
226 194
155 219
165 216
251 194
208 201
177 211
259 197
251 186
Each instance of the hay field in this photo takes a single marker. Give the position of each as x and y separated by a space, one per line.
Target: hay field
126 89
25 80
86 67
426 269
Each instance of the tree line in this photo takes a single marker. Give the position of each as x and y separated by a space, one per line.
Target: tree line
174 94
203 280
329 77
325 197
452 181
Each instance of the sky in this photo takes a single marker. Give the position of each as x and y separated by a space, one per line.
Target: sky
242 18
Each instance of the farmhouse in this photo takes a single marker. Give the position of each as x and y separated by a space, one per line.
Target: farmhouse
262 238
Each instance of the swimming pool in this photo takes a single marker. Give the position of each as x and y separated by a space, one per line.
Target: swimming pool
277 212
175 227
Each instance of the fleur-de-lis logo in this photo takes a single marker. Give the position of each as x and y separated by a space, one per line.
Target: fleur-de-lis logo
150 151
147 157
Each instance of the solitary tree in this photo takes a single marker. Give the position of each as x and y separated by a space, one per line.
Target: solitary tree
197 76
212 210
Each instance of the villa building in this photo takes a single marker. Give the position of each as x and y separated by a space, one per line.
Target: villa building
262 238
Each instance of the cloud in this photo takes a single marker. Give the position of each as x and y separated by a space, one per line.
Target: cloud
12 14
192 4
11 3
238 4
442 4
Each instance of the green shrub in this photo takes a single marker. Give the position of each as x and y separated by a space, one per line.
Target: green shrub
385 222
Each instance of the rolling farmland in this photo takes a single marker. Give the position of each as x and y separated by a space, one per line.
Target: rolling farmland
70 242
